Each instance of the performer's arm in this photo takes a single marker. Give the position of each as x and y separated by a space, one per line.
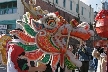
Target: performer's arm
39 68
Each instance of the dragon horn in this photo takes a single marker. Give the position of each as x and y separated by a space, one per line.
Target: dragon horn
29 8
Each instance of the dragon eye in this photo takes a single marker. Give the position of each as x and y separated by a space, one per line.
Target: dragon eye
51 21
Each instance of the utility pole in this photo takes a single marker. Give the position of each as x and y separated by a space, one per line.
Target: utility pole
103 4
90 15
78 12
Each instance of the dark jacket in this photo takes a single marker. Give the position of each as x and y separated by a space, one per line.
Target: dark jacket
84 56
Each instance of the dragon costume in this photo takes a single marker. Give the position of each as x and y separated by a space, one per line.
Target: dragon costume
45 34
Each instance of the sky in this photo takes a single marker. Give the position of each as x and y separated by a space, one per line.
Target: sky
93 3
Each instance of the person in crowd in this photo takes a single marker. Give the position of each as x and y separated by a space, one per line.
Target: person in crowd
59 69
94 63
17 62
100 54
84 54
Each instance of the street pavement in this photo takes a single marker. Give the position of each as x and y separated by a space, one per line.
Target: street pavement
3 68
91 70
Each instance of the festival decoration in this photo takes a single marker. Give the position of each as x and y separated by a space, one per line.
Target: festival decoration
45 33
74 23
102 23
4 39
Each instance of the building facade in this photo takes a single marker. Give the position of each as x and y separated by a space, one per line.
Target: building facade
75 8
102 5
10 11
106 5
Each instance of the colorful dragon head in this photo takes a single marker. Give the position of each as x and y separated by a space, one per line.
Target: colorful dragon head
55 24
48 21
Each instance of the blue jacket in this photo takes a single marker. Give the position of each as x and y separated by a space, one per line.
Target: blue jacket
84 56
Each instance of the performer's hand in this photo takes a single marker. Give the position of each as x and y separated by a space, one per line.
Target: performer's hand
39 68
32 2
42 67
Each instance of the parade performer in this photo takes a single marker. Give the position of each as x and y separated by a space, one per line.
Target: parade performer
46 32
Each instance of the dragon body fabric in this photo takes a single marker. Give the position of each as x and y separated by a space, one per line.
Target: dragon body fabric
44 33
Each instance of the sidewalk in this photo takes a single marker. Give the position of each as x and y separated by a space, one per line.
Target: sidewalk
3 68
91 70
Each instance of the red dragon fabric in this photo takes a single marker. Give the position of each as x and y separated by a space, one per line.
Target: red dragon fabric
102 23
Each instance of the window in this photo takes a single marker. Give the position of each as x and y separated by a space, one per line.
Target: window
0 11
82 10
9 26
77 8
107 7
8 7
7 31
89 14
3 8
57 1
64 3
70 5
14 7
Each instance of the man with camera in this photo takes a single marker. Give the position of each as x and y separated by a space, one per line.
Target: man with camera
84 54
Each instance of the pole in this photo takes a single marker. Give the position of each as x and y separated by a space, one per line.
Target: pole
103 6
90 14
78 12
